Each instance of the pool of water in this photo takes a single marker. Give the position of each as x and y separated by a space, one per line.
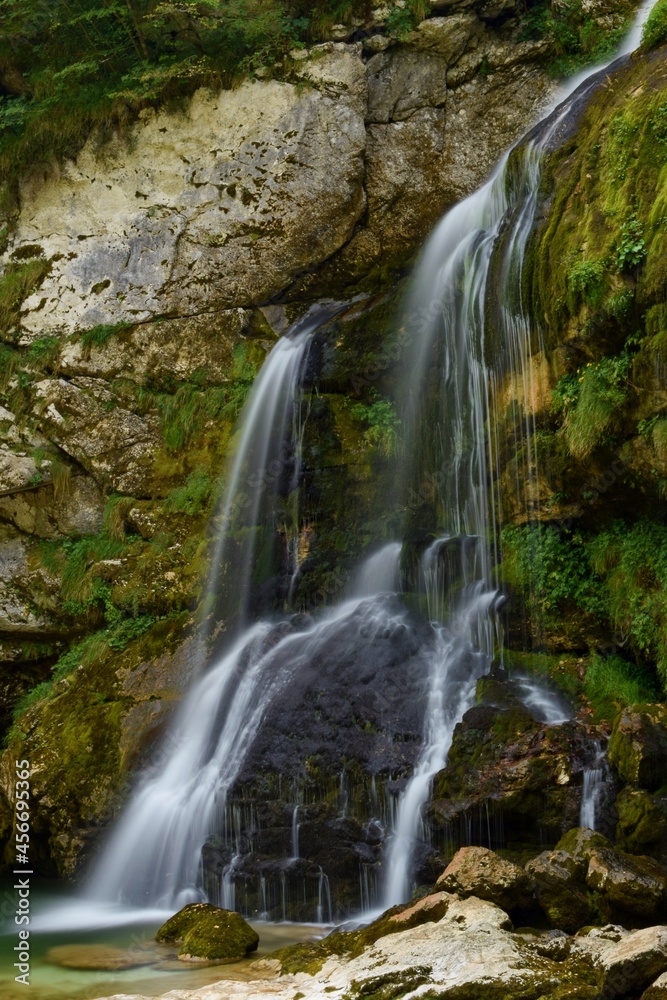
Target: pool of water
61 925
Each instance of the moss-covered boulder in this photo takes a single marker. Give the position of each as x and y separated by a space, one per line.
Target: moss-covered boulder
208 934
638 745
586 880
558 879
642 822
476 871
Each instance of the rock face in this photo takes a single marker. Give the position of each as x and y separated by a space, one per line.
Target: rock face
207 933
156 270
217 207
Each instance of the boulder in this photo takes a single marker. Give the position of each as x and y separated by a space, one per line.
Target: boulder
585 876
476 871
558 880
657 990
632 889
638 745
642 822
633 963
208 933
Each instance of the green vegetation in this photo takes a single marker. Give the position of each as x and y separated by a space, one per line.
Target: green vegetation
612 683
381 423
591 400
616 577
192 404
16 284
402 20
655 28
70 67
194 497
578 38
98 336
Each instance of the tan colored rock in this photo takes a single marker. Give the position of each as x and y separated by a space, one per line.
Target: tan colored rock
558 879
17 471
75 510
431 907
403 81
635 962
448 36
476 871
115 445
162 351
216 206
631 887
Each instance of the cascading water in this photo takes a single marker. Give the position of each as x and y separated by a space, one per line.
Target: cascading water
471 332
597 787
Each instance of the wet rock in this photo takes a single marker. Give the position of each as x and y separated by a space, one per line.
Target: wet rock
208 933
585 876
475 871
100 957
635 962
638 745
510 777
558 879
631 888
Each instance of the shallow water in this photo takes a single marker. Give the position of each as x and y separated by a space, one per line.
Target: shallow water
163 972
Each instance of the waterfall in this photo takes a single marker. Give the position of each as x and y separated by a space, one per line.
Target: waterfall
597 784
295 833
469 331
267 457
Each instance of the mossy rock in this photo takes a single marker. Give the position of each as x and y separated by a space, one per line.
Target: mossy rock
208 933
638 745
642 822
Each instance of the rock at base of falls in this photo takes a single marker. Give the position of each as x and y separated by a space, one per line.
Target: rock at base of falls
476 871
208 934
462 950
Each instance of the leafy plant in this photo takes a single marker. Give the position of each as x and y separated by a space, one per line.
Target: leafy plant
631 247
193 497
585 278
381 422
590 401
577 38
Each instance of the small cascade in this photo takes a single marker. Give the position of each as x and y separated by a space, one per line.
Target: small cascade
596 788
295 834
380 572
323 892
545 704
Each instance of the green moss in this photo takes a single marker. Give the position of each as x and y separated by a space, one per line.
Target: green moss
654 32
19 280
98 336
210 933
